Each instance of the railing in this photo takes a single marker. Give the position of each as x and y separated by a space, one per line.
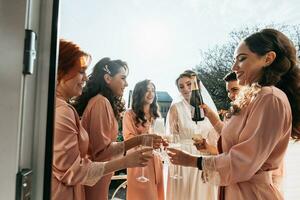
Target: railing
122 185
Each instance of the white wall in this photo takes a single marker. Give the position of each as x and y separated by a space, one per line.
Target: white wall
12 14
23 101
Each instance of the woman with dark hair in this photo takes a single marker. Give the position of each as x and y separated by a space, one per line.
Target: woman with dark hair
179 123
266 113
71 167
138 120
101 106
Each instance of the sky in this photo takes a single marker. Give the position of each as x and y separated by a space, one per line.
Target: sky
159 39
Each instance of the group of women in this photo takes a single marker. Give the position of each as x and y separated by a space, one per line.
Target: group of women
250 143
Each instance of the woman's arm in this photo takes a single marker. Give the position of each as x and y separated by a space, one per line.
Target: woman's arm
172 122
68 166
138 158
213 118
100 123
268 123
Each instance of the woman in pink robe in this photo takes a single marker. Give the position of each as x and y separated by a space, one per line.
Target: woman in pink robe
71 167
136 121
255 138
101 106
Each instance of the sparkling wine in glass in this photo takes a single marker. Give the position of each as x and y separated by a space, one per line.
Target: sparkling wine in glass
174 169
158 128
146 142
198 138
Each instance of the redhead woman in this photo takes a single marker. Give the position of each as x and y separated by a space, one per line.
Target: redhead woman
71 167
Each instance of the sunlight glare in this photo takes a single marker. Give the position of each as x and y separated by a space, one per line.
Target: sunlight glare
153 38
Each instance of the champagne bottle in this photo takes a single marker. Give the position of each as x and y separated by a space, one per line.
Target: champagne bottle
196 100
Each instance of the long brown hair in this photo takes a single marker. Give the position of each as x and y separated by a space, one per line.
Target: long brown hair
97 85
283 72
138 98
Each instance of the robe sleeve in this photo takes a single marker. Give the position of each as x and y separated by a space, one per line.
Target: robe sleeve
129 128
218 126
102 148
68 165
268 122
172 121
213 135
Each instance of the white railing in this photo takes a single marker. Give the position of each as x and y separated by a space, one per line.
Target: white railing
122 185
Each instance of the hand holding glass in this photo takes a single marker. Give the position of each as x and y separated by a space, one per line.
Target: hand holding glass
174 169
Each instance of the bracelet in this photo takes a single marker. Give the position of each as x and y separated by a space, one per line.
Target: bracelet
199 163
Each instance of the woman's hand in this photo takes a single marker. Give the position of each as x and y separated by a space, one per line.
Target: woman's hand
179 157
137 140
165 143
210 114
157 140
204 147
138 158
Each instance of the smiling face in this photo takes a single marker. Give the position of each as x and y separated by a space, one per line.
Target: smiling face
150 94
232 88
117 83
73 86
247 65
185 87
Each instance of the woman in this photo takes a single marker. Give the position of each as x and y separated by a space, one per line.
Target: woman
101 106
181 125
71 167
255 138
136 121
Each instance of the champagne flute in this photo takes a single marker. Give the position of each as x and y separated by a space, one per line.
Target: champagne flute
197 137
146 142
159 129
174 169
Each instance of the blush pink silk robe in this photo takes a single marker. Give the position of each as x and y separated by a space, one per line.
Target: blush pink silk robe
153 189
254 143
99 121
71 168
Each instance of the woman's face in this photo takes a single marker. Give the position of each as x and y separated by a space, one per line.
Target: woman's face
150 94
233 89
247 65
73 87
118 82
185 87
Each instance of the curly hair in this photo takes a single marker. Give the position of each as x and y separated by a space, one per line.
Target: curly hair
97 85
283 72
138 97
245 96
